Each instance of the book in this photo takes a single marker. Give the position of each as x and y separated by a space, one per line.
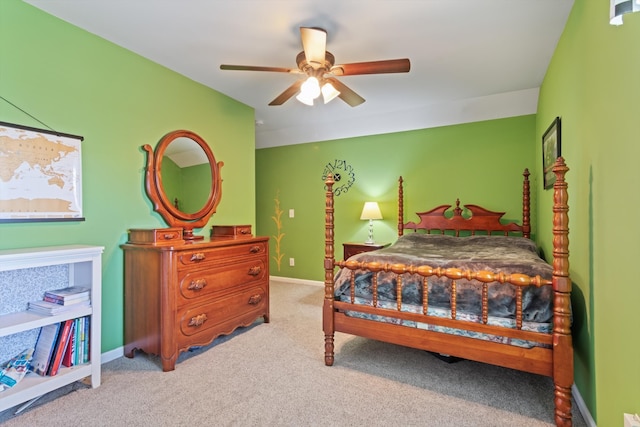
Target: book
61 346
87 333
70 351
69 293
44 348
82 352
67 301
80 342
77 356
51 308
15 369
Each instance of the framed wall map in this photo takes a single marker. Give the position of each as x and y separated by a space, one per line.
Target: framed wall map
40 175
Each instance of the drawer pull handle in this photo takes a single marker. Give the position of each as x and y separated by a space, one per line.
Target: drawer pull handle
198 256
170 236
255 299
254 271
254 249
198 320
244 231
197 285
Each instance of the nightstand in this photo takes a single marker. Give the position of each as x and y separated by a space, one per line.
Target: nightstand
352 248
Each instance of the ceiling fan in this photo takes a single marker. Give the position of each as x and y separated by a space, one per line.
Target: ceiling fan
318 65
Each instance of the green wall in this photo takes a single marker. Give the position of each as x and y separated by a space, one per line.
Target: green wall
191 185
592 84
172 180
78 83
480 163
196 186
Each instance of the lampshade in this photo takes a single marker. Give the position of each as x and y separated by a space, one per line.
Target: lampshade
371 210
305 98
311 87
620 7
310 90
329 92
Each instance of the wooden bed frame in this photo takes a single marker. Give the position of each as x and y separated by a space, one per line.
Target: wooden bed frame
554 358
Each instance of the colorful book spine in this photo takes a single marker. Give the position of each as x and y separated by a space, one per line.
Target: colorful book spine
70 351
61 346
80 349
76 353
87 333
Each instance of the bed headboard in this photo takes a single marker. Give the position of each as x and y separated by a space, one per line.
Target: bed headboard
480 219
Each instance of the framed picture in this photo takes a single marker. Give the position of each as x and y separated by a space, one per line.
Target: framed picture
40 175
550 152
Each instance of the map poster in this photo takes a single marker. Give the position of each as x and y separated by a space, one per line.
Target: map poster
40 175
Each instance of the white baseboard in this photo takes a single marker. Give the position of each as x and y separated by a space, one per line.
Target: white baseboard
296 281
582 407
112 355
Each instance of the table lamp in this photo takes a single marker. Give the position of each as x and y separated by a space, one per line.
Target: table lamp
371 211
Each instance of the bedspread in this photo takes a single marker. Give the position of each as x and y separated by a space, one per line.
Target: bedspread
507 254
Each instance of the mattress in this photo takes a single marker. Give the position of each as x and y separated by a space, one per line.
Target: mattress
506 254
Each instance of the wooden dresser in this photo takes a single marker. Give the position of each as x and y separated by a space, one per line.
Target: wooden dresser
182 294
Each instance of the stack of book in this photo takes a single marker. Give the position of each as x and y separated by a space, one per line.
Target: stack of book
65 343
60 300
61 344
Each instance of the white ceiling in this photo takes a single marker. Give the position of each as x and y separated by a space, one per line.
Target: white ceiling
470 59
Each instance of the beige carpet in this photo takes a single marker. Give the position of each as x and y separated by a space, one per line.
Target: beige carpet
274 375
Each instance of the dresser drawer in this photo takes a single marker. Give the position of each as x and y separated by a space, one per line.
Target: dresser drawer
231 231
188 259
204 282
156 236
213 315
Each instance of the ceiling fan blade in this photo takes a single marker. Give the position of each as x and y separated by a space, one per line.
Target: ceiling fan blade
346 94
314 44
288 93
372 67
257 68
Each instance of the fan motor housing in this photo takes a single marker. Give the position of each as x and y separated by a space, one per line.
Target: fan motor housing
301 60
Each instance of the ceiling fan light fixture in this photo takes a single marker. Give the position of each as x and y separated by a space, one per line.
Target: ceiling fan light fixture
318 66
305 99
329 92
311 88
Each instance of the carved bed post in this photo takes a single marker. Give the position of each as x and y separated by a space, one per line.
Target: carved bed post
526 206
400 208
329 263
562 343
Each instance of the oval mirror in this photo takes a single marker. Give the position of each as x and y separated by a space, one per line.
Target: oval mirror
186 175
183 180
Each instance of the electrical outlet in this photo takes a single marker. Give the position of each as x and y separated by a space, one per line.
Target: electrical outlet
292 262
292 213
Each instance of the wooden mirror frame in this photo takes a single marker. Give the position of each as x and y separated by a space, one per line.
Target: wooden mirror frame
155 190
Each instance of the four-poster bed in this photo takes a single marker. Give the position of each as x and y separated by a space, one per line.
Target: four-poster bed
501 305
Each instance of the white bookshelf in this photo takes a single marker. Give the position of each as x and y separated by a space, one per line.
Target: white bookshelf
84 265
